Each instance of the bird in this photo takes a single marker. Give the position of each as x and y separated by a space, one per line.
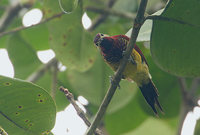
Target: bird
112 49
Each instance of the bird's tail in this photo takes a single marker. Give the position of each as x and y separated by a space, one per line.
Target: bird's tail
150 94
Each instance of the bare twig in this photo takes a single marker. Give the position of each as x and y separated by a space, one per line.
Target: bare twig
184 109
194 86
23 27
101 18
39 73
188 99
79 111
183 85
139 20
111 12
54 80
10 14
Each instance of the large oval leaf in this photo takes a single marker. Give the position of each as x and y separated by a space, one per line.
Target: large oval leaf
25 109
175 42
22 55
71 43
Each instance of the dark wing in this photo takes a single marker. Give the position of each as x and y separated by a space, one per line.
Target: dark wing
150 93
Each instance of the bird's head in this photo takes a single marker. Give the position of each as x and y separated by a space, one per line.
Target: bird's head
99 38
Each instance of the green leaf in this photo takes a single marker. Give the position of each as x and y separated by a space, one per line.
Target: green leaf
152 127
126 119
22 56
72 44
174 44
25 109
37 37
94 83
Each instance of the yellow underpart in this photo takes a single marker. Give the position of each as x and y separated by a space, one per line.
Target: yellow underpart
138 71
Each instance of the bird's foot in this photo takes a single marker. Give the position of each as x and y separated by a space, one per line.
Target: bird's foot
130 59
123 53
111 81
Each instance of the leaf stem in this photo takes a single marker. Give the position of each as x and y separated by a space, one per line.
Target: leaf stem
139 20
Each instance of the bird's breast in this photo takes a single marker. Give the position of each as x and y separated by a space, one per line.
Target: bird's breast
112 56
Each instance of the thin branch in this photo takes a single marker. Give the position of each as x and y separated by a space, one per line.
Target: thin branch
23 27
79 111
39 73
184 108
101 18
139 20
54 80
188 102
183 85
111 12
10 13
194 86
188 99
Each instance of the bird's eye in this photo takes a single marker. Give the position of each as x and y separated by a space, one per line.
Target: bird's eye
101 34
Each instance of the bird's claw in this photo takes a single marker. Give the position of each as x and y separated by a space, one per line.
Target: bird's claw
111 81
130 59
123 53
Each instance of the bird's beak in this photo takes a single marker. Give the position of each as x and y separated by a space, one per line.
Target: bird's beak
97 39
